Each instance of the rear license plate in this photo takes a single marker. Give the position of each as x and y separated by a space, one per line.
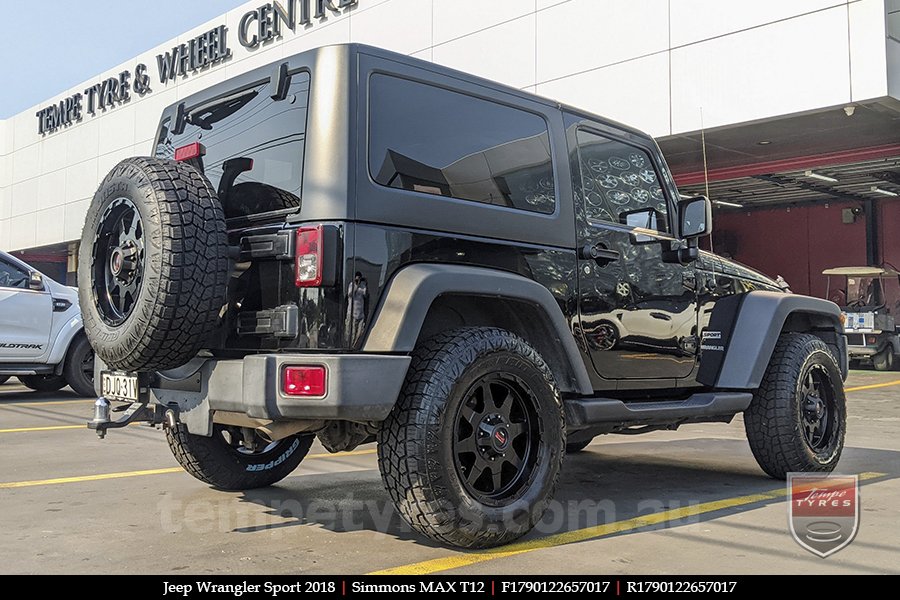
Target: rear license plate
116 385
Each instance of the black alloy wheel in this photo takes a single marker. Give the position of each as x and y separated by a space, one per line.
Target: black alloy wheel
118 260
797 419
819 408
495 446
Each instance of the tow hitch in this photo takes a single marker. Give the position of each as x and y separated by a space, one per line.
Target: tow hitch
135 412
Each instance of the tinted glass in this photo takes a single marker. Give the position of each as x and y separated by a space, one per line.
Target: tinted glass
12 276
250 125
619 183
426 139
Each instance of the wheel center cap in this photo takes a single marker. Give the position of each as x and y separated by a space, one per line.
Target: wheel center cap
116 261
500 438
815 408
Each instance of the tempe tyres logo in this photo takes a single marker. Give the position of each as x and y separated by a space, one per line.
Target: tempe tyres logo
824 511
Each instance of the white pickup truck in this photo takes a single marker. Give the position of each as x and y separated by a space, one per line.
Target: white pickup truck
42 339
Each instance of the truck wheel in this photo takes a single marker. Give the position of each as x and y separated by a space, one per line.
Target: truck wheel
575 447
884 360
43 383
154 265
224 462
797 419
79 368
472 451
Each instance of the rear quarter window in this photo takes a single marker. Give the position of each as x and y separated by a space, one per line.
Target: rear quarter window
427 139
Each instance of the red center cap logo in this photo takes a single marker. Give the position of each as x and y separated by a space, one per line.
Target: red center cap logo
501 436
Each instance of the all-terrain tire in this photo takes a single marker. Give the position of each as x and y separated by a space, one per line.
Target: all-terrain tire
252 197
213 461
43 383
183 261
79 368
416 453
775 422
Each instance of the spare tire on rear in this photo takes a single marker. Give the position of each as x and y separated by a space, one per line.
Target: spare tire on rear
153 265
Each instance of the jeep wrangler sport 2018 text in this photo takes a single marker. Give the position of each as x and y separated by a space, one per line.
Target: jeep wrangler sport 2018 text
359 246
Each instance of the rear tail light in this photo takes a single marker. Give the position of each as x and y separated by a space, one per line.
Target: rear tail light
190 152
304 381
308 264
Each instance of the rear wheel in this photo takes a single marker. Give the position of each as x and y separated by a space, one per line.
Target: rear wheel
884 360
79 369
153 266
43 383
227 461
472 451
797 419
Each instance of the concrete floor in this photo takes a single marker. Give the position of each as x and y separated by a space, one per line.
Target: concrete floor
70 503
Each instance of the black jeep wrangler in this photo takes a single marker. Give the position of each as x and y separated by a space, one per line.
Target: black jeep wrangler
362 247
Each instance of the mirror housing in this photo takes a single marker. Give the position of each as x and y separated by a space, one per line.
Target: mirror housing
36 281
694 218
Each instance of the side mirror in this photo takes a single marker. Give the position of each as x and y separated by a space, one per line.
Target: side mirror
36 281
695 217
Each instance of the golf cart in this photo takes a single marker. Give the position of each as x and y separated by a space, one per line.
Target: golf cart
868 297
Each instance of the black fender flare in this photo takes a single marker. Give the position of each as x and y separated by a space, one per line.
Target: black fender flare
743 330
409 295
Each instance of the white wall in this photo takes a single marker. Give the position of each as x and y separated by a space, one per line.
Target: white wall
650 63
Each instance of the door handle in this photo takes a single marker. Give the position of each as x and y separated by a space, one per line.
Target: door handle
599 253
661 316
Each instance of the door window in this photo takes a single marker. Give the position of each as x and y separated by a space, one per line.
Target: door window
12 276
620 184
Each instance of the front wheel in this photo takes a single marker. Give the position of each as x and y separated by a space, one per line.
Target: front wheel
79 368
43 383
884 360
472 451
227 461
798 416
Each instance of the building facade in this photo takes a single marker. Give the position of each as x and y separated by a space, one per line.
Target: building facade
766 81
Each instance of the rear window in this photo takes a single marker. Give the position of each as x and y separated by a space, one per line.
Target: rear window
430 140
243 127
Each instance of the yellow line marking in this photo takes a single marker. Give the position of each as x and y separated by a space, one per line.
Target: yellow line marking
61 427
80 478
101 476
49 428
47 403
580 535
873 386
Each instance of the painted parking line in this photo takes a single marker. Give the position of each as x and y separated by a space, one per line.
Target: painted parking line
101 476
63 427
46 403
589 533
873 386
48 428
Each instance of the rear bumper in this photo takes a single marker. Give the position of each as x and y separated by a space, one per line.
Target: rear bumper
360 387
862 351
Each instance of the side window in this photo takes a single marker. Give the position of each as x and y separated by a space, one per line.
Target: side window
620 184
430 140
12 276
